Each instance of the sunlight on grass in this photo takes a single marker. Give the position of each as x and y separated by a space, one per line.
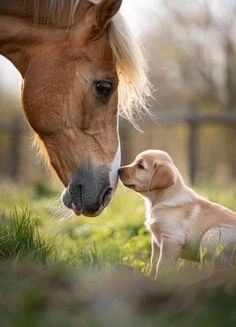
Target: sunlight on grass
21 239
117 237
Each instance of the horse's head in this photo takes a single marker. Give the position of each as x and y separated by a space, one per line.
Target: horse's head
70 55
70 99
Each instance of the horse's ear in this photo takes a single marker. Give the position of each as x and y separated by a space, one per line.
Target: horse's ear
163 177
99 15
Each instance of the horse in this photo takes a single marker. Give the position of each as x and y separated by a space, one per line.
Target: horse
81 68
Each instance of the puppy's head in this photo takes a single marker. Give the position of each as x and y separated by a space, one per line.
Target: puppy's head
151 170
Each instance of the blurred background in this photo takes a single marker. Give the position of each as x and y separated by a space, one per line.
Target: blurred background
53 270
191 53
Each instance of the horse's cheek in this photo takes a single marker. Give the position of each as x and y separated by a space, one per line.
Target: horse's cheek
43 116
45 95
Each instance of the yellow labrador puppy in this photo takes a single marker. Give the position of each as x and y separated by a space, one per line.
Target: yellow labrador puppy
181 222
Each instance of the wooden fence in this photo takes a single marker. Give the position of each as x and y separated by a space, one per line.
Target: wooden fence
192 118
15 129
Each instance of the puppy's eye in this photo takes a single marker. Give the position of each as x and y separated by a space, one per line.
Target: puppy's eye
103 89
140 165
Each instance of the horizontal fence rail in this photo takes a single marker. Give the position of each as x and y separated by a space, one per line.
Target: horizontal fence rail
194 120
194 117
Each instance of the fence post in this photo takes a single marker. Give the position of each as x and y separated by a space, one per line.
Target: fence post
125 145
15 148
193 123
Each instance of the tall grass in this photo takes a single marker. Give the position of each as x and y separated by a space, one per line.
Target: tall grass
20 238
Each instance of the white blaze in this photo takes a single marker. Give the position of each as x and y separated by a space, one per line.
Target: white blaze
114 169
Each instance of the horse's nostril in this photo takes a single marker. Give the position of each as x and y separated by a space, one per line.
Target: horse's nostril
107 196
108 191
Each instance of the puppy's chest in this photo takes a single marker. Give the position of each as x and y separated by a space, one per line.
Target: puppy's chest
166 223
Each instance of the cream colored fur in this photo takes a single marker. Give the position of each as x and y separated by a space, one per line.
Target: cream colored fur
182 223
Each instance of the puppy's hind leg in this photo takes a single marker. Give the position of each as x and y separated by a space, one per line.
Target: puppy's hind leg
218 245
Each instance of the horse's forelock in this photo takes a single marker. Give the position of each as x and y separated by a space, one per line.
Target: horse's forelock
134 85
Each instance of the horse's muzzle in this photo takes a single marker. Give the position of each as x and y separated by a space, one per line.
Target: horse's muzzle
89 191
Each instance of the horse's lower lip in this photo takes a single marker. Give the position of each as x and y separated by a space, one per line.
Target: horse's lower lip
82 211
76 211
87 214
107 197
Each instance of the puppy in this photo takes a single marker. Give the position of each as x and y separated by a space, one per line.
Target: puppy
182 224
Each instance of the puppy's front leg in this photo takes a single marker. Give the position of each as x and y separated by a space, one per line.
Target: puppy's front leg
169 253
154 258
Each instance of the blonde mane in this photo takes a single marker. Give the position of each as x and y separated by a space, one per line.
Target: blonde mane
134 85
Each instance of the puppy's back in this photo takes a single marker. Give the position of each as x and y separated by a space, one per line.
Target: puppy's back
214 214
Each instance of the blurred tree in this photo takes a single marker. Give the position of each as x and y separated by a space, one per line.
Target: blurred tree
195 43
192 47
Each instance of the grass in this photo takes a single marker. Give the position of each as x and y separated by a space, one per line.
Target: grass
116 237
21 239
91 271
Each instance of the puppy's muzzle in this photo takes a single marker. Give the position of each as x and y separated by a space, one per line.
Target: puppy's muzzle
123 174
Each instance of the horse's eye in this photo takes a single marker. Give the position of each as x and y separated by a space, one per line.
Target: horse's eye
103 89
140 166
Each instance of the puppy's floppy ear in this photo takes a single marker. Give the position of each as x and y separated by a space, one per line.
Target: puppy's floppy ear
163 177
